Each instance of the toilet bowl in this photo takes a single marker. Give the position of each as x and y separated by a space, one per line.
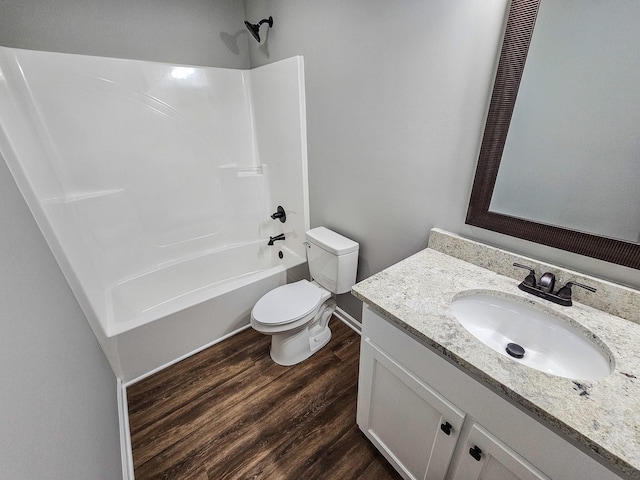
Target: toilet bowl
297 315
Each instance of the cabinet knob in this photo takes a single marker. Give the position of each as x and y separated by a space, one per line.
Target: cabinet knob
475 452
446 428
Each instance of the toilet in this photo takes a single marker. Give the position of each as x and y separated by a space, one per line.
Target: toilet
297 315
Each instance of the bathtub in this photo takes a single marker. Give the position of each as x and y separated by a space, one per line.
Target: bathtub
165 315
154 186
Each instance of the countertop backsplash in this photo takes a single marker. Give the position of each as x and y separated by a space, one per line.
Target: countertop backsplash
610 297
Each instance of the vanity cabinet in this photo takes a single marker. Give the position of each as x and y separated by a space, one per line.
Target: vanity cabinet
485 457
432 421
405 418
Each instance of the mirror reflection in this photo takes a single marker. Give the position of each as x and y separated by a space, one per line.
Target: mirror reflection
572 153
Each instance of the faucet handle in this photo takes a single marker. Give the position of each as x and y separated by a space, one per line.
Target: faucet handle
280 213
565 292
530 279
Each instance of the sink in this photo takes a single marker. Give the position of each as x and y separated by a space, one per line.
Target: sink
548 342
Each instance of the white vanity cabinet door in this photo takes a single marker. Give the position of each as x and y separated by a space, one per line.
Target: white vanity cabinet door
409 422
484 457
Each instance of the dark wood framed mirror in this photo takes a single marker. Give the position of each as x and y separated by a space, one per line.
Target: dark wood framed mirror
518 34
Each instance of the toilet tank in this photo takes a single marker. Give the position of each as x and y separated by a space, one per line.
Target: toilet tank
333 259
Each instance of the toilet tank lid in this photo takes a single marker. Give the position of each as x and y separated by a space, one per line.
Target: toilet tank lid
331 241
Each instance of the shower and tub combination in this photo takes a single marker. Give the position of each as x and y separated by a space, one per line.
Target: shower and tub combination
155 187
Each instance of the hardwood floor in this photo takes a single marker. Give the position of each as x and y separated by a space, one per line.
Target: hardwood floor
230 412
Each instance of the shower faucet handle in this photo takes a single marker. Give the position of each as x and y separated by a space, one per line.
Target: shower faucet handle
280 213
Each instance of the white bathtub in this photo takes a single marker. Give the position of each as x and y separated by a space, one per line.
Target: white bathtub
168 314
153 185
174 287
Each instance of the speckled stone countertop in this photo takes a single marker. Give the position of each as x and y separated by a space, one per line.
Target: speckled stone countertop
603 415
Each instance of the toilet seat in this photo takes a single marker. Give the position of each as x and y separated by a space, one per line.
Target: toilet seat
288 304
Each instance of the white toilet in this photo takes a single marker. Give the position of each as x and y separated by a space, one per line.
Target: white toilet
297 314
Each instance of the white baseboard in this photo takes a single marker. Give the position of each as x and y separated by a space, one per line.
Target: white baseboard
348 320
125 434
186 355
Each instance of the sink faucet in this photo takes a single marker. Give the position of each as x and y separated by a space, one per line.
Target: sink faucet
544 287
547 282
277 237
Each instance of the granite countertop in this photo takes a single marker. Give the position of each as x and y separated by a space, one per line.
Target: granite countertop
602 415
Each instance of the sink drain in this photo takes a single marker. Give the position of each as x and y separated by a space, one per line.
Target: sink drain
515 350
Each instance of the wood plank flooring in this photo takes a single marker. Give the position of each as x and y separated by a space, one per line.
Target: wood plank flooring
230 412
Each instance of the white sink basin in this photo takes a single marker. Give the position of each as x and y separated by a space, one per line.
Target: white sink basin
551 343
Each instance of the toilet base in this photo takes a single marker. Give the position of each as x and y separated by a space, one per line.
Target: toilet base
294 346
290 349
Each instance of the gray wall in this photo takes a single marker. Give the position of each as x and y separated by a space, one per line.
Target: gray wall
195 32
396 101
58 396
58 416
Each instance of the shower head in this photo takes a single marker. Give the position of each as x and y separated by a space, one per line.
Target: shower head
254 28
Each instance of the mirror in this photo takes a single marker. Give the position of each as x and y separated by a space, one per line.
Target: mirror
546 170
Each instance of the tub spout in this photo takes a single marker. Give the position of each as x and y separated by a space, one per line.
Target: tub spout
277 237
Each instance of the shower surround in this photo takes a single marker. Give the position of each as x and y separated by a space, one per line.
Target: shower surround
154 185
